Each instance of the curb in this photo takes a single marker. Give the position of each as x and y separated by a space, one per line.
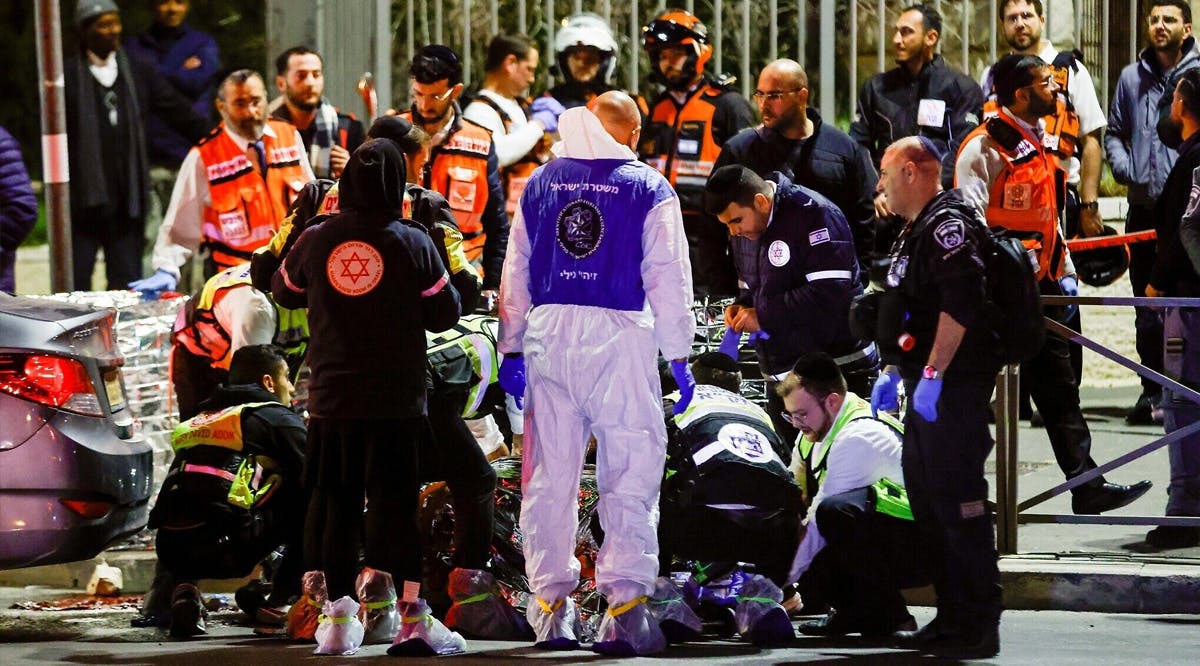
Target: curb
137 571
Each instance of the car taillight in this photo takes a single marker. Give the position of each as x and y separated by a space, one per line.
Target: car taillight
50 380
90 509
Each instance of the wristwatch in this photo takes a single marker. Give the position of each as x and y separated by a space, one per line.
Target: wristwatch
1089 205
931 372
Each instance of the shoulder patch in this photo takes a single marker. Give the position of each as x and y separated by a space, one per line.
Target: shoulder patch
779 253
949 234
819 236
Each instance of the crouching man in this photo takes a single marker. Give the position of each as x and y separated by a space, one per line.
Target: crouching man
858 548
232 495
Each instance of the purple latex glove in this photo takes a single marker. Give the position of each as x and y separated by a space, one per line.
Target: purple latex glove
686 382
730 343
884 393
512 378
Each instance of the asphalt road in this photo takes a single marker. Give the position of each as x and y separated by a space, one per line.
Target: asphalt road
1027 637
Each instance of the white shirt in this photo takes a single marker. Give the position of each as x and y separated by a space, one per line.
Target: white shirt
1082 94
182 226
247 315
865 451
514 142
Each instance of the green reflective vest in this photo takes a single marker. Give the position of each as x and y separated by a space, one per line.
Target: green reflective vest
464 358
890 497
252 478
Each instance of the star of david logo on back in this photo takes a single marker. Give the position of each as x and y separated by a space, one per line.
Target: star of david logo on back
354 268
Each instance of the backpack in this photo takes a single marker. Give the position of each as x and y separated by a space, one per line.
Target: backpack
1014 305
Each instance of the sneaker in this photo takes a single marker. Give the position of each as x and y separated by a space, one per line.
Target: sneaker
629 630
1167 537
187 612
423 635
555 626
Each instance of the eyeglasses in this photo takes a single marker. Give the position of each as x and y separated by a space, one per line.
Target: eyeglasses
1050 83
439 97
787 416
774 95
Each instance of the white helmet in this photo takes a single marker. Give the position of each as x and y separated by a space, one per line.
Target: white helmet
586 29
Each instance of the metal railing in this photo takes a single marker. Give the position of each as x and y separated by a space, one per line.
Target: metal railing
1009 511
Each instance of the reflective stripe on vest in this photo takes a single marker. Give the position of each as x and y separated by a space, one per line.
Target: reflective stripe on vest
476 335
245 208
1023 198
891 499
256 477
710 400
853 409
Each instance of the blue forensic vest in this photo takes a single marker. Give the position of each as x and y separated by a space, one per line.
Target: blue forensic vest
584 219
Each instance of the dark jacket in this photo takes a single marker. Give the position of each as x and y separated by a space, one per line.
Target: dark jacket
18 207
889 103
806 276
409 293
142 93
168 49
937 264
271 430
829 162
1174 272
1137 156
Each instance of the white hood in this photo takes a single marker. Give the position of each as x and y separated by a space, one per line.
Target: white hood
584 138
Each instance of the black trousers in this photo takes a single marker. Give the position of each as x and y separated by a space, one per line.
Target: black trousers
713 271
1054 391
347 460
452 455
1147 322
122 241
867 559
943 473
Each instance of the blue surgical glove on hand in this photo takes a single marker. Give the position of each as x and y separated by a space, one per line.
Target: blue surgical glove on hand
686 382
159 282
758 335
546 111
925 398
884 395
730 343
512 378
1069 285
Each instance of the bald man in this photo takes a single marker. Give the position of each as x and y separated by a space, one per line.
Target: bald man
934 287
596 282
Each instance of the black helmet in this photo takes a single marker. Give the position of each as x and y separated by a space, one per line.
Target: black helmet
1102 266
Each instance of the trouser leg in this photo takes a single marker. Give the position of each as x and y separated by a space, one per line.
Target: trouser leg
1052 386
1147 322
393 539
453 455
1181 360
84 244
786 431
712 265
123 253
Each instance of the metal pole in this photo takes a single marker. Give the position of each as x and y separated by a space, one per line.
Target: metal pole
690 5
1079 26
549 36
634 45
853 57
319 20
1007 394
992 42
55 173
828 61
522 21
606 11
437 22
383 52
494 16
881 51
466 47
966 40
718 61
424 21
772 30
1133 31
801 30
745 46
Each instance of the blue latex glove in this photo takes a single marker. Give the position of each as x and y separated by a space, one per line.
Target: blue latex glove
159 282
730 343
1070 287
512 378
546 111
925 398
758 335
686 382
885 393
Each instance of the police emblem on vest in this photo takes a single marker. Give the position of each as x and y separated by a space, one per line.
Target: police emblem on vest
580 228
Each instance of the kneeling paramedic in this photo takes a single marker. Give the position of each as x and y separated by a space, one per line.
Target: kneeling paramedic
859 544
233 493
